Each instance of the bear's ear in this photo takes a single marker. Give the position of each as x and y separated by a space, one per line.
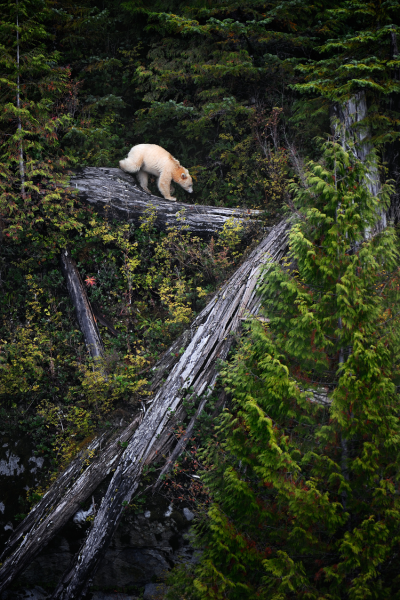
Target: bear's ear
184 176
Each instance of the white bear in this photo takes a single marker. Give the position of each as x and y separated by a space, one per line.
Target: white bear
150 159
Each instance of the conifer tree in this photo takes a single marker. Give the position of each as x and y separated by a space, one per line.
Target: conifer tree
35 96
304 469
360 53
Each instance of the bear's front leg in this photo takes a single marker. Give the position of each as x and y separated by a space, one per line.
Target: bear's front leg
172 189
164 185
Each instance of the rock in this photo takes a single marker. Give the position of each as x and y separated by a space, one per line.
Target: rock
145 547
37 593
154 591
9 465
81 515
188 514
37 461
169 510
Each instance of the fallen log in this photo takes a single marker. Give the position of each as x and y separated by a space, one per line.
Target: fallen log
74 485
61 502
192 376
114 194
63 498
84 312
52 497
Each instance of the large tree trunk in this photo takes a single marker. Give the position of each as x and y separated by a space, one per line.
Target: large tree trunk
114 193
194 375
350 127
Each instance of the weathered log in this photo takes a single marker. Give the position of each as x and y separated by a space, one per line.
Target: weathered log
86 483
61 502
52 496
114 193
84 312
77 482
194 375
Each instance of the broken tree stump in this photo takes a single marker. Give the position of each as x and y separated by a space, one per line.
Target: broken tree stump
84 312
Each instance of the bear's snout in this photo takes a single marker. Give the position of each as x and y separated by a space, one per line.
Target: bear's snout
190 190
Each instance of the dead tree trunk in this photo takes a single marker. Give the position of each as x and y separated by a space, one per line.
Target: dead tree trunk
355 137
194 375
114 193
84 313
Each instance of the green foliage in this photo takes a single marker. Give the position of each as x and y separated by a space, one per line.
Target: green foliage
34 203
304 473
362 54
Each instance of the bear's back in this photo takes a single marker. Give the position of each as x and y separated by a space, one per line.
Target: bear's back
153 151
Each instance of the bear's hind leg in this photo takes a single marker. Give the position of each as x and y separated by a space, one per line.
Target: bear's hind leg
164 185
143 179
134 160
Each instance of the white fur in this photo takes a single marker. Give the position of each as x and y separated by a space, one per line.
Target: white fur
150 159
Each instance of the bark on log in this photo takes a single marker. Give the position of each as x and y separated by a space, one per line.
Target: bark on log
61 502
84 312
194 374
114 193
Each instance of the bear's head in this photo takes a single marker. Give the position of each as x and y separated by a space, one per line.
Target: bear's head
183 178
